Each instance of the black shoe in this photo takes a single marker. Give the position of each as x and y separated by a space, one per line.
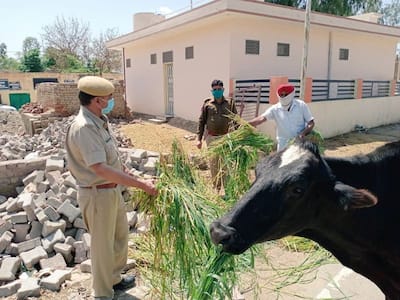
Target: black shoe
125 283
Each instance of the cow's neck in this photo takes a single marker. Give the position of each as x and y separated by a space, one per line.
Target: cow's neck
378 267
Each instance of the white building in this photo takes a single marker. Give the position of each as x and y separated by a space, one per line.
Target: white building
170 63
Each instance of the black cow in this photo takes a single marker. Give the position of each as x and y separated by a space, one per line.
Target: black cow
298 192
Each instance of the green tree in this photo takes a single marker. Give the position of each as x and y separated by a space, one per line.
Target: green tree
30 43
3 50
65 42
103 59
31 61
391 13
335 7
49 63
9 64
66 35
372 6
69 47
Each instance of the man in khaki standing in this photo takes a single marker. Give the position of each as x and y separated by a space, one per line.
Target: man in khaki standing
214 122
93 159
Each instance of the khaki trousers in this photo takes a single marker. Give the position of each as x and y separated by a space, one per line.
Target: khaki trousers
104 214
218 174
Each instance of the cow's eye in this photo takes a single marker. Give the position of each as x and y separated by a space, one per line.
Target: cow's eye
298 191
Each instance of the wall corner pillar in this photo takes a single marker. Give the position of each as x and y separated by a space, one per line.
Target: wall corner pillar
358 89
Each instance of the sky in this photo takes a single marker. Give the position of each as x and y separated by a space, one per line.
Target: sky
26 18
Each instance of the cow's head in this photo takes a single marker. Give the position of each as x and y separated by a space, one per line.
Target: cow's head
293 188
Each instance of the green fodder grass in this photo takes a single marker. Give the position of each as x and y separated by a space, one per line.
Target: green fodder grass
238 152
184 264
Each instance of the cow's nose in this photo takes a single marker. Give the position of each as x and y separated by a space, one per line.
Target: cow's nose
221 234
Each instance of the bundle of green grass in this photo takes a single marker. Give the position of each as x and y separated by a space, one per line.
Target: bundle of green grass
238 152
184 262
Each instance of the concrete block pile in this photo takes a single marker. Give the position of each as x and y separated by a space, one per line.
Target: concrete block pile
48 142
41 229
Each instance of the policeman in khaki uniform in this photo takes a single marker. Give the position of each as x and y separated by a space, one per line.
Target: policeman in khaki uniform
214 123
94 161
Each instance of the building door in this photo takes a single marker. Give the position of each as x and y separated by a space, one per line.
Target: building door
19 99
169 89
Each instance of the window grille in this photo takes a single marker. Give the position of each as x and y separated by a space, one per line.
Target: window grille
343 54
189 52
283 49
167 57
252 47
153 59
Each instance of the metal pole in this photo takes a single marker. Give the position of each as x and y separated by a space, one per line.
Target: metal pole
305 49
191 4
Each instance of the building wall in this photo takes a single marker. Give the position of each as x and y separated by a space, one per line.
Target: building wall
63 98
367 58
26 82
219 52
12 173
192 77
269 33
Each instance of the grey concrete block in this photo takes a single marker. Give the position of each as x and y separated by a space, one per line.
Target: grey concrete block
69 211
54 165
51 213
29 288
70 181
54 202
49 241
12 249
55 262
5 240
86 266
36 230
39 200
21 230
9 267
79 223
10 288
28 245
50 227
32 257
65 250
54 281
12 205
40 215
4 226
19 217
54 177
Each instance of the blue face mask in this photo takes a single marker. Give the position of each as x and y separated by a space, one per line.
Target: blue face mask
110 106
217 93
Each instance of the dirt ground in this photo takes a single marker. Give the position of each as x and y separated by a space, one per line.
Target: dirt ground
158 137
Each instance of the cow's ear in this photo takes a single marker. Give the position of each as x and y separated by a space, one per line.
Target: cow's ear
352 198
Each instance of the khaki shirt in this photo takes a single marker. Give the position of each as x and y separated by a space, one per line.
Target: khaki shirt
90 141
214 117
